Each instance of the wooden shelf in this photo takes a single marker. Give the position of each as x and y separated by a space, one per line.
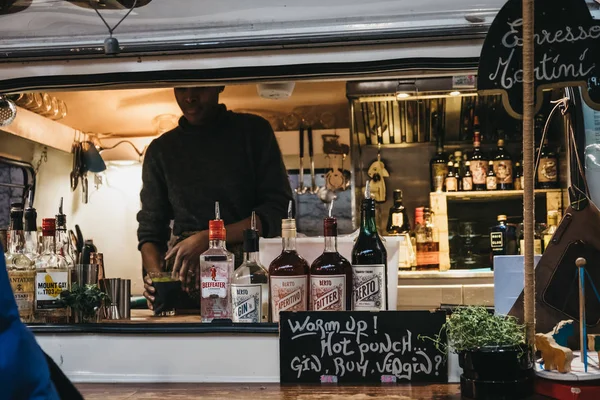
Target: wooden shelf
496 195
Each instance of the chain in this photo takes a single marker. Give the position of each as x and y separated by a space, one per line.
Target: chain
43 159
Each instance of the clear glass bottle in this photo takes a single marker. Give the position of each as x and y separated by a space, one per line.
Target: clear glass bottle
63 243
428 243
552 227
467 179
503 167
288 284
31 249
451 181
21 269
491 181
330 275
216 273
250 283
52 277
398 221
478 162
369 262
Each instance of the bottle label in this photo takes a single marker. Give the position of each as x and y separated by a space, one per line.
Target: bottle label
214 279
369 290
397 219
503 171
467 183
491 183
496 240
518 184
247 303
288 293
23 286
328 292
479 170
537 247
547 170
451 184
49 285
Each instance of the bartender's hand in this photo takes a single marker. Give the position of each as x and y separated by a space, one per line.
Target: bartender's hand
187 258
149 292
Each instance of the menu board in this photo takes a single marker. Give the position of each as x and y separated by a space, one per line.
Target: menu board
360 347
567 52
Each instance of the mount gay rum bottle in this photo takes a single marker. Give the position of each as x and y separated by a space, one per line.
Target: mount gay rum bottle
289 273
369 262
330 275
250 287
216 272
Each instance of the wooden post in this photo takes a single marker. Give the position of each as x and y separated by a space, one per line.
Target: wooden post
528 167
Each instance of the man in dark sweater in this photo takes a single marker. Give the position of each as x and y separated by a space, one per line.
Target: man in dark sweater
213 155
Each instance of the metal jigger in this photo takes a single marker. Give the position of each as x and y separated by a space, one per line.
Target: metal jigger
112 289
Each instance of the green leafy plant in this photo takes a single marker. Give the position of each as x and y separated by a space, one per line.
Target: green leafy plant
85 300
473 327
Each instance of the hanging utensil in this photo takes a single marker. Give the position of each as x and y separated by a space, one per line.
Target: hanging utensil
75 171
8 111
365 123
377 172
334 179
313 181
93 160
79 238
391 121
301 189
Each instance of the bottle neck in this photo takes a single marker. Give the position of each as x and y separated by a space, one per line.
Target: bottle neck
216 243
330 244
16 243
368 226
252 257
31 242
289 243
398 203
48 245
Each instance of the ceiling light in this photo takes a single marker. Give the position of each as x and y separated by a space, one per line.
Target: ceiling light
455 93
402 95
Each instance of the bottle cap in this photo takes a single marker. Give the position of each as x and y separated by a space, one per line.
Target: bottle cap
330 226
397 194
476 120
500 142
457 153
502 217
48 226
450 164
468 163
491 163
288 228
216 229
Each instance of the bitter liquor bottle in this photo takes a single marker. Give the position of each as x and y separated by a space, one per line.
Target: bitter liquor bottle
52 277
428 243
288 273
503 168
467 179
479 163
216 272
547 172
330 275
398 222
250 284
369 262
491 181
451 179
21 269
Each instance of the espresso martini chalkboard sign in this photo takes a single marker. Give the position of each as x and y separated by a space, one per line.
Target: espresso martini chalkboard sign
360 347
567 53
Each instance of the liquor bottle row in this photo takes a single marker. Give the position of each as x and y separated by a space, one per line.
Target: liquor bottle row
507 239
253 293
481 171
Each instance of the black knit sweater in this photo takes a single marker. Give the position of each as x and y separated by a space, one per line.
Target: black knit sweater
235 159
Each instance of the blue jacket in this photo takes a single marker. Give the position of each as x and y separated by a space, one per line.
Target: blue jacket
24 373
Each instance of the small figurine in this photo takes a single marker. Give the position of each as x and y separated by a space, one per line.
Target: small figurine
555 357
562 332
593 345
377 172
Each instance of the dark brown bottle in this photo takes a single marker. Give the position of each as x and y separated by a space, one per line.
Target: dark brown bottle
503 168
330 275
369 262
398 222
288 285
479 162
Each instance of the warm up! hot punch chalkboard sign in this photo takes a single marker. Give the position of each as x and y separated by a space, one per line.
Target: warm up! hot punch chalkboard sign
356 346
567 52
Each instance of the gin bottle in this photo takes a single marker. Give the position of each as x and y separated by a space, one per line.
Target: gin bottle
250 284
216 272
52 277
63 244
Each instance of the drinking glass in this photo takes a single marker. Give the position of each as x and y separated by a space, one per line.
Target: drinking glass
167 293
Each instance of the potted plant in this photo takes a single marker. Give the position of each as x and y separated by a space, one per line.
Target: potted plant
85 302
496 361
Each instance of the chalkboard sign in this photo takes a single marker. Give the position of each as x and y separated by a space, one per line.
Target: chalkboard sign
360 346
567 53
